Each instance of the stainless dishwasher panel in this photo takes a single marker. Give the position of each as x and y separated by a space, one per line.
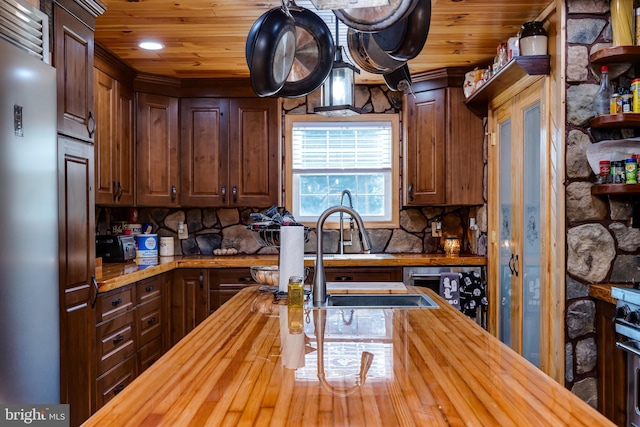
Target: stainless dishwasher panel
429 277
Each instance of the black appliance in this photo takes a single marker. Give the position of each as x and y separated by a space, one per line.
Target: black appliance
116 248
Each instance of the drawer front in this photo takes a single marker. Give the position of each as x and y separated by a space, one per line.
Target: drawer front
148 354
115 341
149 289
113 304
114 381
149 321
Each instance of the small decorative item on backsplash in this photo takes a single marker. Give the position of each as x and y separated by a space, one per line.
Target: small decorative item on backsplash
451 246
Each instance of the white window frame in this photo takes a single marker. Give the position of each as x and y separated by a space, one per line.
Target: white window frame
394 191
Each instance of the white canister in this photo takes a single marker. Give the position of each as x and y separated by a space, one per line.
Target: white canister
166 246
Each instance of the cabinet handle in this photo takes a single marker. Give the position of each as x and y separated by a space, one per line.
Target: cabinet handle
411 192
95 287
116 302
201 280
151 321
115 191
149 288
246 279
515 265
91 121
343 278
118 389
119 190
511 264
117 340
223 192
174 193
234 191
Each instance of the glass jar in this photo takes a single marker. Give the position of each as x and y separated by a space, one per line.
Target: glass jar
533 39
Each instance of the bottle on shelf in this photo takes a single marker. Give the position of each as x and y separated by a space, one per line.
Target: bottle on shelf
603 97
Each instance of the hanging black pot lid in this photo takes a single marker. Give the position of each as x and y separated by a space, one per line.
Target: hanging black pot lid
313 57
270 51
405 39
377 18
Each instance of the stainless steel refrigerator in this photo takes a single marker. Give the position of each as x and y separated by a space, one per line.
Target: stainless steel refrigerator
29 309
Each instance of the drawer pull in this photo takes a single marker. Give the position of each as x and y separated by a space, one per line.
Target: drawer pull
118 389
151 321
116 302
246 279
149 288
151 362
343 278
117 340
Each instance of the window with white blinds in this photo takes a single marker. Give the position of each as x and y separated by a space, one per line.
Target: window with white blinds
329 157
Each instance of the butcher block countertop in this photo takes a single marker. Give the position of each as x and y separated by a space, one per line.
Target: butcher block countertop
421 367
113 276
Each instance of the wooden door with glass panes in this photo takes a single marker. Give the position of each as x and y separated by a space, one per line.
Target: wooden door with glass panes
516 210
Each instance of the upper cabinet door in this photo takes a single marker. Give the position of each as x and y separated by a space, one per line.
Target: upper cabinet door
204 148
73 59
253 152
105 140
425 148
157 151
125 143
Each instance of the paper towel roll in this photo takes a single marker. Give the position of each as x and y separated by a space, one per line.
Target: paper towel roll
291 260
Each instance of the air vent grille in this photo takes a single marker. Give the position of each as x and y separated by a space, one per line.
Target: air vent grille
26 27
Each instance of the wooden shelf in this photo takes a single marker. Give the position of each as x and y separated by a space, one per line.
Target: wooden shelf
516 69
617 121
616 55
604 189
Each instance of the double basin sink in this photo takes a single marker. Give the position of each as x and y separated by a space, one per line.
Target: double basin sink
379 301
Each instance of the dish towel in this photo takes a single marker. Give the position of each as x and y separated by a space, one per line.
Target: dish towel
449 288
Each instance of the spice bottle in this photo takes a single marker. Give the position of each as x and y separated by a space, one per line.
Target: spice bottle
631 169
603 97
296 292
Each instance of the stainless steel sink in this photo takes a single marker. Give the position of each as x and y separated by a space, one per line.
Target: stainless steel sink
380 301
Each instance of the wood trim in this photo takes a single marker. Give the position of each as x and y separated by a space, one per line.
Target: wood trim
110 64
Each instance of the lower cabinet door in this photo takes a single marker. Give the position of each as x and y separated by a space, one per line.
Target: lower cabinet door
114 381
148 354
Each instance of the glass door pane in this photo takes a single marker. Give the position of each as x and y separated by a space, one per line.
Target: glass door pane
531 235
504 297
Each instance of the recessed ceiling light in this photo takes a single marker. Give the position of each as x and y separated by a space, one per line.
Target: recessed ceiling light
151 45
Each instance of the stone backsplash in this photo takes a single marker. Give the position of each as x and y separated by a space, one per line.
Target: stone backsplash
212 228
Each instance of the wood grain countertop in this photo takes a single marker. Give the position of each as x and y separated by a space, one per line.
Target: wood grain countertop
602 291
113 276
421 367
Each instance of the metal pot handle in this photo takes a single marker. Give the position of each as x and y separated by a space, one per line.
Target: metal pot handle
625 346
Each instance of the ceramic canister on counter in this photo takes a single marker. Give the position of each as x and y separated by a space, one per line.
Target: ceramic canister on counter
166 246
147 245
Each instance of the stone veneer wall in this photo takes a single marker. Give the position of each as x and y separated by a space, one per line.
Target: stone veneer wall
211 228
601 245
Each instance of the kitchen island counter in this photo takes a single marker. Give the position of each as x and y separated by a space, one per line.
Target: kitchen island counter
423 367
113 276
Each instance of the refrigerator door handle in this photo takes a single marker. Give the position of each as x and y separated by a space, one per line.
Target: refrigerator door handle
95 296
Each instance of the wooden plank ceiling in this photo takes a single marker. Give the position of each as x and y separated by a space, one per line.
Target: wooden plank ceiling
205 38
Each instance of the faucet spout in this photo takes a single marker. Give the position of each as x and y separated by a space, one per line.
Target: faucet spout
319 280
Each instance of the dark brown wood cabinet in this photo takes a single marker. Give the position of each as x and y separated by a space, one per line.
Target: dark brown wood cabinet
443 156
132 327
113 141
73 25
225 283
157 161
78 290
229 151
189 301
611 366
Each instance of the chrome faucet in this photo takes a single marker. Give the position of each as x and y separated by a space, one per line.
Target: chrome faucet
319 280
343 243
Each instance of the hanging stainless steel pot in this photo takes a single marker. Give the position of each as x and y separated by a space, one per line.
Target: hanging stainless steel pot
398 80
270 51
377 18
367 54
405 39
314 53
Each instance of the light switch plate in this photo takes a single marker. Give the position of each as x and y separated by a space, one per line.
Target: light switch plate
183 232
436 229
